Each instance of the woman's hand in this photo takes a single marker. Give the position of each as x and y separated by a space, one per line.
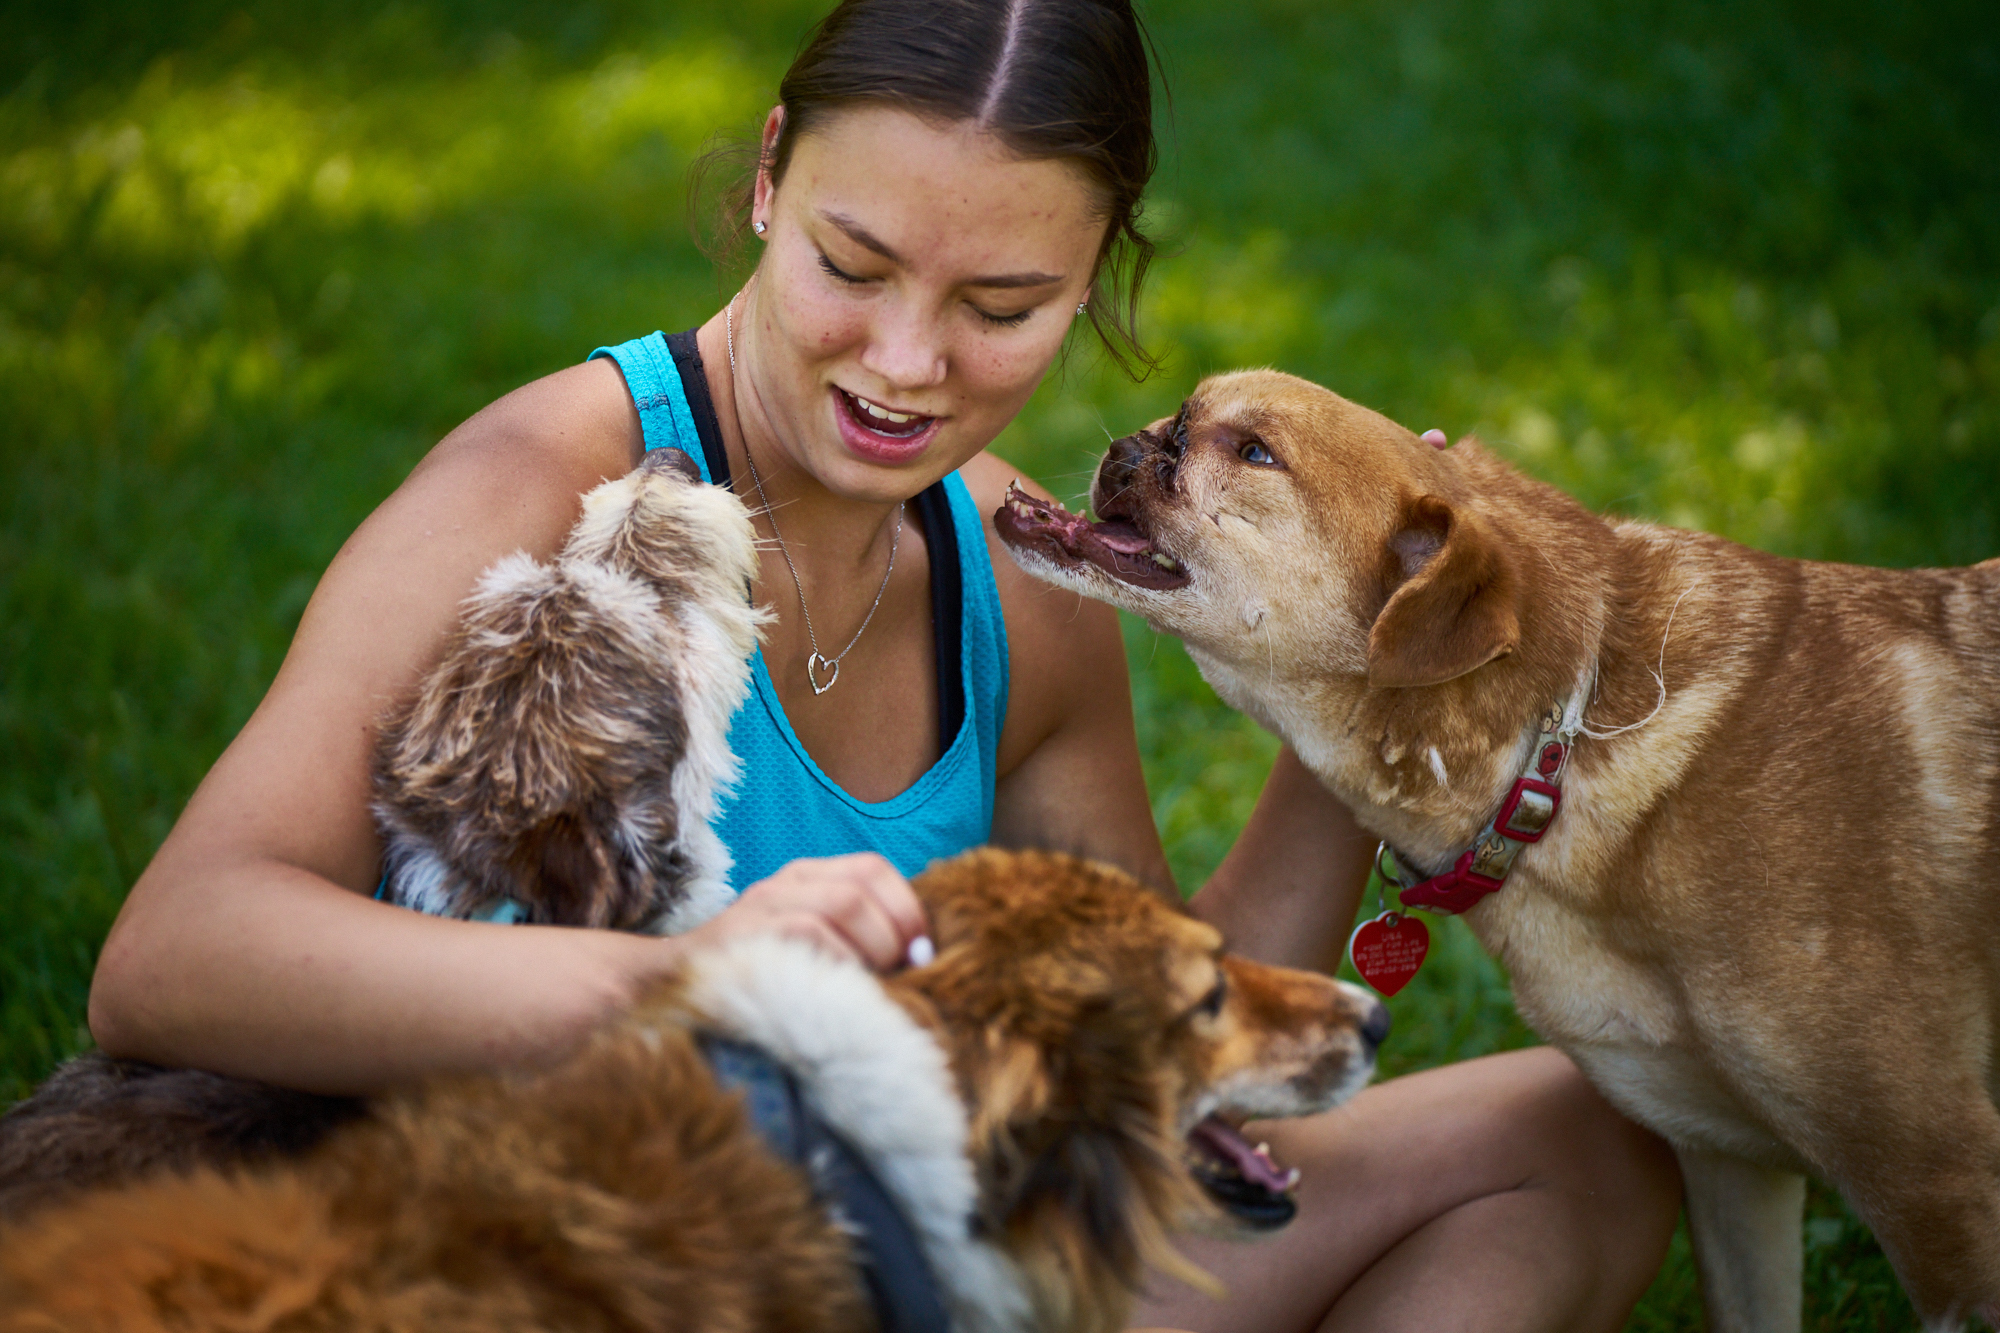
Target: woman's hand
855 906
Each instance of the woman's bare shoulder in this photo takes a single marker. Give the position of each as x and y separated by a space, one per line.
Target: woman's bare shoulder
1045 614
509 479
1069 763
1058 643
575 424
292 786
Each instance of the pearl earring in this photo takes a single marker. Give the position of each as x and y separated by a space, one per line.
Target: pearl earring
1082 306
757 227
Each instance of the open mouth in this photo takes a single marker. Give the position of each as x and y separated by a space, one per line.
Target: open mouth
878 432
1243 1179
1115 544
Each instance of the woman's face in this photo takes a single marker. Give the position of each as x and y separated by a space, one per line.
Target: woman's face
911 271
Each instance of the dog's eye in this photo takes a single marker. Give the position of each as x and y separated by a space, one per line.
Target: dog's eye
1211 1003
1253 451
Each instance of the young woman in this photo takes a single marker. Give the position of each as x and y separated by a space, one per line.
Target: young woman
945 189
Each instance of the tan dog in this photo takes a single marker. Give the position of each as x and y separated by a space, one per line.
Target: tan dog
1762 920
1039 1102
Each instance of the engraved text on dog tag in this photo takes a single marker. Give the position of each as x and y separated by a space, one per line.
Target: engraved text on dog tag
1388 950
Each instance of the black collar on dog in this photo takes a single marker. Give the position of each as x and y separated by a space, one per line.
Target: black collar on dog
899 1278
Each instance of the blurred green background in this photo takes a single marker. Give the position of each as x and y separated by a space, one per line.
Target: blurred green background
1733 266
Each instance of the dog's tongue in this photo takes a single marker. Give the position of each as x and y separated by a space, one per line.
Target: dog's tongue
1253 1164
1121 536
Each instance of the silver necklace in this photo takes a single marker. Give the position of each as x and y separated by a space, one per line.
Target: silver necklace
814 662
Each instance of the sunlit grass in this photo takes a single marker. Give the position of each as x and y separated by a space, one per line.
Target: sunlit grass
1712 265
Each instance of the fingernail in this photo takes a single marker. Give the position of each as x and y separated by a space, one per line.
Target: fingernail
921 951
1435 438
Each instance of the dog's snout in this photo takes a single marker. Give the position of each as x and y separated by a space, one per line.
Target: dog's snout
1120 465
1375 1024
670 459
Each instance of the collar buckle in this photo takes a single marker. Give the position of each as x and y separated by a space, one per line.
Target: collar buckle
1528 810
1456 890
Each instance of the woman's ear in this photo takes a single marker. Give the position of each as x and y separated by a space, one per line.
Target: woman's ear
767 148
1454 604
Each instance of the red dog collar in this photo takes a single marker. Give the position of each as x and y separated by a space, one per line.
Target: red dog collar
1523 817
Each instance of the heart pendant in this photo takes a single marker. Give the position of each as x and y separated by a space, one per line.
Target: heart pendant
814 665
1388 950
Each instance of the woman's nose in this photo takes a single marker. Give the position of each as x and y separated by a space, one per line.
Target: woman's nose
905 347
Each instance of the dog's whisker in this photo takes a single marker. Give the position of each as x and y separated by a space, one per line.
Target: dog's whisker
1108 436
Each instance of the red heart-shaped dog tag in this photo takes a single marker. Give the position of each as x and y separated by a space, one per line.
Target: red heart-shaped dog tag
1388 950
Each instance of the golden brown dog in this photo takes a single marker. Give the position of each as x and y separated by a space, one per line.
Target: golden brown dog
1762 920
1041 1102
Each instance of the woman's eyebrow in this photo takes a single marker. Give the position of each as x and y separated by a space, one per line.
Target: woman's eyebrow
861 236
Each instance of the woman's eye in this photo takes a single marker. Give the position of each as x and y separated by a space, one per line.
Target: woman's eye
1255 452
1013 321
837 273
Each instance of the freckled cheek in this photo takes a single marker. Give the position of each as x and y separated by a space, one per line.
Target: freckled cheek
822 325
1000 378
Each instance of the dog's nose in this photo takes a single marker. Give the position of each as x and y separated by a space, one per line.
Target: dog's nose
669 459
1375 1027
1121 463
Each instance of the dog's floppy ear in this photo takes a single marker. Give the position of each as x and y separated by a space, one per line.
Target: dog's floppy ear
1078 1170
1453 608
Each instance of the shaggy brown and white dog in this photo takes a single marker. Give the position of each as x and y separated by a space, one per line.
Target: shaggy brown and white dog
1762 921
1033 1100
558 765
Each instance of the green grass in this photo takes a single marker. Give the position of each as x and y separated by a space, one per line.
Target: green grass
1732 266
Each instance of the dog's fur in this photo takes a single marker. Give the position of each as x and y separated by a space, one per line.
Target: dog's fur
1763 920
566 753
561 760
98 1121
1025 1098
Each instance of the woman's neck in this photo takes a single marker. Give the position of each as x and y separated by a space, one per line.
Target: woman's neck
835 542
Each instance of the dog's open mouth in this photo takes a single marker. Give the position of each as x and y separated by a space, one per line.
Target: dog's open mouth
1243 1179
1115 543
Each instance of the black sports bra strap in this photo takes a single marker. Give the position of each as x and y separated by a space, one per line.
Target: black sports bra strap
694 383
933 511
947 607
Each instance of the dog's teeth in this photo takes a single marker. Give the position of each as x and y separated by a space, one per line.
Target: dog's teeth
1292 1178
1166 562
1264 1151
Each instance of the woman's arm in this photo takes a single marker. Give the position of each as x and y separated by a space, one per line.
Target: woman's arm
1289 888
251 944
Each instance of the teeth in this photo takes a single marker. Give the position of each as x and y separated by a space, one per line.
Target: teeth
1292 1178
884 414
1166 562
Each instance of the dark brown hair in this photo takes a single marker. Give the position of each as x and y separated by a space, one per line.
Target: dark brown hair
1052 79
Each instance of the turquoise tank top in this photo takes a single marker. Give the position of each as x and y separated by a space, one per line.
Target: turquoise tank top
784 806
